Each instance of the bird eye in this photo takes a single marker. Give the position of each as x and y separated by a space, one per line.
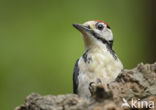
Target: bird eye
100 26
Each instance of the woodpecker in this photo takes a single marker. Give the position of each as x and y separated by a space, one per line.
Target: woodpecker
99 60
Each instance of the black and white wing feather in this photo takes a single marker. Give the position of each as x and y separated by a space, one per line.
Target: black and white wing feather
75 77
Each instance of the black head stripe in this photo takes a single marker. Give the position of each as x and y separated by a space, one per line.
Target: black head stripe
109 44
99 38
108 27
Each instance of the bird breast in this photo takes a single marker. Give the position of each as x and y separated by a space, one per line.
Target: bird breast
101 64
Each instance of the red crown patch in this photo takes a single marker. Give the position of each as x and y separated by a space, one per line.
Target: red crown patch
101 22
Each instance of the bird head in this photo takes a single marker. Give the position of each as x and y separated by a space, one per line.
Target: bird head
95 33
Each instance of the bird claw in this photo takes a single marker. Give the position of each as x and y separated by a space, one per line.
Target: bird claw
98 90
96 87
92 88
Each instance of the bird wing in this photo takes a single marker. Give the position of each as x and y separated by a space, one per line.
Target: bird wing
75 77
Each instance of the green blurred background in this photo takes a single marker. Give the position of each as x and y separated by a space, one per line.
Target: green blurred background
39 46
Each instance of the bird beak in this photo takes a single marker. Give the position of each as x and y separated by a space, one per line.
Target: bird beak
83 29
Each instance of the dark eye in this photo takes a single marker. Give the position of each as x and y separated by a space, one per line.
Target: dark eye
100 26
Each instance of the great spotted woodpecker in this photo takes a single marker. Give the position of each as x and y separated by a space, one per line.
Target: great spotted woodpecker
99 60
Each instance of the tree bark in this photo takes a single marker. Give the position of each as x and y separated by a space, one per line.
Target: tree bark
137 85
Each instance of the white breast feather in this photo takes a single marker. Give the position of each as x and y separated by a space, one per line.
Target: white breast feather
102 66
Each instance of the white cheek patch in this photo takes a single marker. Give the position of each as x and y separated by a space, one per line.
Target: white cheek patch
107 34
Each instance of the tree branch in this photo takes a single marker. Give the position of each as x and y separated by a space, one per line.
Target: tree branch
138 84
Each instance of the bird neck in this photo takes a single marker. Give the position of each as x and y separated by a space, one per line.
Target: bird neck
100 48
91 43
98 45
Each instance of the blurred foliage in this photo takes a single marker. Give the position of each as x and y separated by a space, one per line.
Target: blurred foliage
39 46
